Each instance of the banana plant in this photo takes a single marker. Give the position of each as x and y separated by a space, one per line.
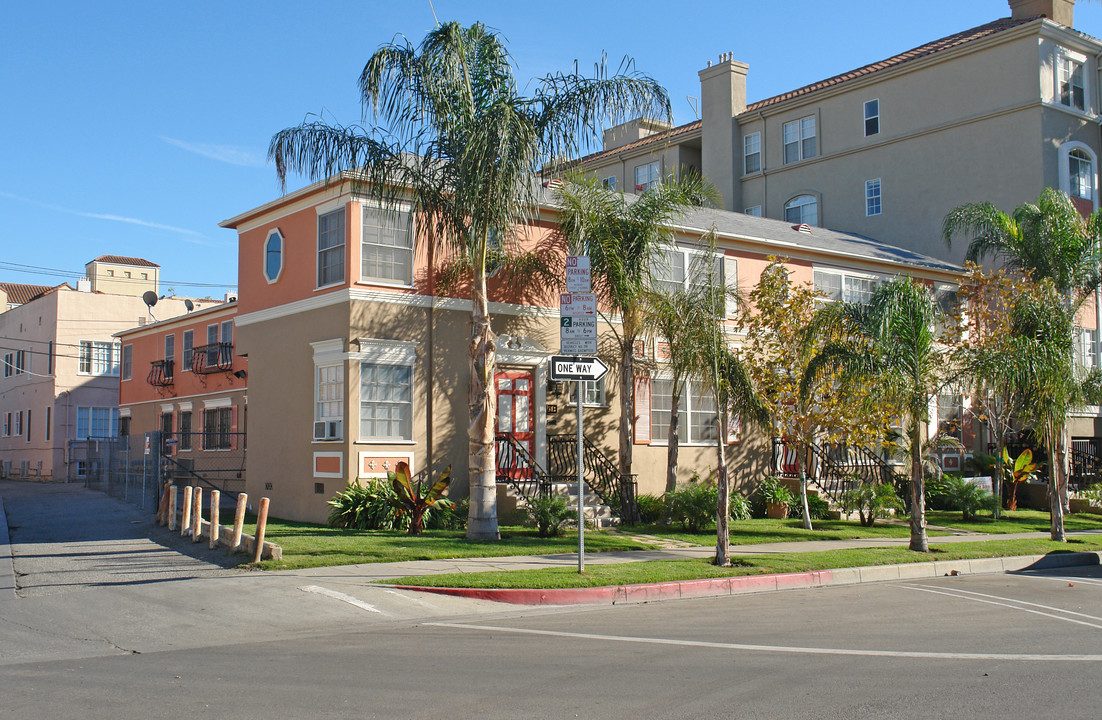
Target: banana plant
1017 471
410 499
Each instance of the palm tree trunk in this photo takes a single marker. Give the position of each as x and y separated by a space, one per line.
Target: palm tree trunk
482 401
1055 501
919 542
627 404
674 442
996 482
723 497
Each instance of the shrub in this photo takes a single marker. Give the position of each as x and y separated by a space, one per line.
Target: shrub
366 507
453 517
967 497
772 490
415 502
871 501
548 514
817 508
740 507
651 509
694 505
1092 494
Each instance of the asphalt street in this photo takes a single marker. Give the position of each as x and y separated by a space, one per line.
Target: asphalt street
200 640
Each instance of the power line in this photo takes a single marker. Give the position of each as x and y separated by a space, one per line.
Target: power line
57 272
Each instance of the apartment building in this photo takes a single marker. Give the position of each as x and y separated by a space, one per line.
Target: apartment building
59 386
356 361
996 112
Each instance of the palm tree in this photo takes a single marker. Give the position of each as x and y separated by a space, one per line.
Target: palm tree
461 143
625 238
891 342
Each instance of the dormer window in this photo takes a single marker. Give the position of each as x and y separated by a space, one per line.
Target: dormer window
802 210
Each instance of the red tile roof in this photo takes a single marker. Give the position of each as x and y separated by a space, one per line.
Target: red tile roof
120 260
20 294
945 43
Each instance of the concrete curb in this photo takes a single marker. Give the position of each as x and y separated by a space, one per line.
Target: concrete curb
7 565
648 592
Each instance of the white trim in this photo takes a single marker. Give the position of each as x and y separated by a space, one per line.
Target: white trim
329 352
329 206
123 412
1063 154
192 396
282 255
184 406
217 403
385 352
865 119
407 456
1059 53
314 460
167 409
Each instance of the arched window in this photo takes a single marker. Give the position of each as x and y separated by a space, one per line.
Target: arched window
1080 175
803 209
273 256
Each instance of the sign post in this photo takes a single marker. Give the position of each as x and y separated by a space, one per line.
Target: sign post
577 337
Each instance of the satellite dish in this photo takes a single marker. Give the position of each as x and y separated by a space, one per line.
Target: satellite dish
189 305
150 298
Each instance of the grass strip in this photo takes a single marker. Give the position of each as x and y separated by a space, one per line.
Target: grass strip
674 570
1012 522
308 545
753 532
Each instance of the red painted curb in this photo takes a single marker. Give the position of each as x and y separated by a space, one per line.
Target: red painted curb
644 592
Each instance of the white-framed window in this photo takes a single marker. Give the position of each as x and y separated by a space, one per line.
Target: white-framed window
872 117
7 424
273 256
802 210
696 412
329 393
1070 88
97 422
18 423
126 365
212 345
800 140
99 358
593 393
754 210
187 352
647 176
170 347
386 250
845 286
609 183
217 428
331 248
15 363
386 401
1080 175
1086 354
226 348
751 153
872 197
9 364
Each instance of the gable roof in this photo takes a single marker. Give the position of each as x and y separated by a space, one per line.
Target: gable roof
120 260
20 294
930 48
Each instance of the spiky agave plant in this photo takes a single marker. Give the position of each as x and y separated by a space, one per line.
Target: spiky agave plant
413 500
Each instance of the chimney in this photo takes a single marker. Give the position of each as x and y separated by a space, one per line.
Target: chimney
1061 12
722 97
84 285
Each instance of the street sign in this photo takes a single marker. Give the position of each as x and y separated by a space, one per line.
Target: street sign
573 328
581 346
575 304
573 367
578 277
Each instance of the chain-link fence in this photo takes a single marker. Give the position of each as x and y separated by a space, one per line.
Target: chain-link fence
116 467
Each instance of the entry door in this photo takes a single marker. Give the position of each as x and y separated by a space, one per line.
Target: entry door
516 393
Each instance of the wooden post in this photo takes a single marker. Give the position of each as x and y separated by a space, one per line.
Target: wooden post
162 506
215 525
238 522
261 524
185 521
197 514
172 507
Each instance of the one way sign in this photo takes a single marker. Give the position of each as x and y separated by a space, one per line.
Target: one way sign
572 367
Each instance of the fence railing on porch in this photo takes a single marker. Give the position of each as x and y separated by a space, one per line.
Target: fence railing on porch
836 467
604 478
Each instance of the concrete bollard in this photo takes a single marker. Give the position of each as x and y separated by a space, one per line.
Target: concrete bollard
238 522
215 525
185 521
197 514
261 524
162 506
171 507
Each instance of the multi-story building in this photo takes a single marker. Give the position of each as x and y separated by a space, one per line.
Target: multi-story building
356 361
59 383
183 389
996 112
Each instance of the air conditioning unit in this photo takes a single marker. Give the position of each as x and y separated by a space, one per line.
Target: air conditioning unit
328 430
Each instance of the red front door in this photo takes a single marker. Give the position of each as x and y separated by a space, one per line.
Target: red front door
515 398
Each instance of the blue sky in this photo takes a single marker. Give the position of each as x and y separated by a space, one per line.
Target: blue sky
134 128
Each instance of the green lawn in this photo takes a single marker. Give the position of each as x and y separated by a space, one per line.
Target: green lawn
308 545
671 570
750 532
1012 522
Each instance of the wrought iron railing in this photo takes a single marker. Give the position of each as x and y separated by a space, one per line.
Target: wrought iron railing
160 373
517 467
216 357
616 490
1086 462
835 468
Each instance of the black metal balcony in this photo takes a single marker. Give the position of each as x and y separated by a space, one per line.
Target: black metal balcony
216 357
160 374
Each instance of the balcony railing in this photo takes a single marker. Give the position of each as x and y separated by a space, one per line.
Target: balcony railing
216 357
160 374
